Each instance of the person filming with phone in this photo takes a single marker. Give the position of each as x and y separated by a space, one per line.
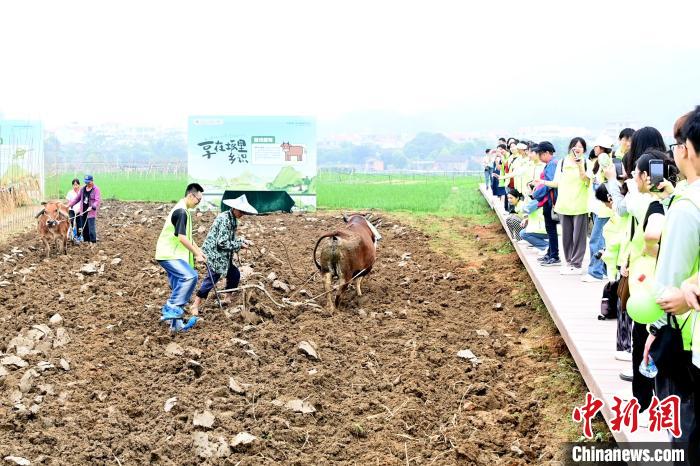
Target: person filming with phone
572 181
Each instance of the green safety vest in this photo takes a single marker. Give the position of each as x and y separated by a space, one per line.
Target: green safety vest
615 235
640 263
572 191
535 220
169 246
504 160
522 174
690 332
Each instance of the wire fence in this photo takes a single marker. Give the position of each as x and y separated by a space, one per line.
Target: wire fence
21 174
353 176
125 181
20 197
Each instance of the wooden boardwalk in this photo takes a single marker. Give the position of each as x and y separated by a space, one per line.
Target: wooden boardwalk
574 306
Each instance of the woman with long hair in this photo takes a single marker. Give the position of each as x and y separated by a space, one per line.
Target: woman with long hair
648 217
601 154
643 140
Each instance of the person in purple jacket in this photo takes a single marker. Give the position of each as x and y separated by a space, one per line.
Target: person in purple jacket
89 200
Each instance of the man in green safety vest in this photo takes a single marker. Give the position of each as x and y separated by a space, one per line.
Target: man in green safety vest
177 252
679 256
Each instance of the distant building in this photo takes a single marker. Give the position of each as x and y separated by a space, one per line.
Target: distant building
374 165
424 165
451 163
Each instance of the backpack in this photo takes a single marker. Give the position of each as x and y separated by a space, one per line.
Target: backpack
608 304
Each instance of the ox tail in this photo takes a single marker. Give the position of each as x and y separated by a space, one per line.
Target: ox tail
327 235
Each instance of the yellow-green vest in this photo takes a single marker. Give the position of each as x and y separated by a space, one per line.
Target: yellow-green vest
504 160
572 191
169 246
691 331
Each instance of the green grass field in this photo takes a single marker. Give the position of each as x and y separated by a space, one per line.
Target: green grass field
439 195
155 187
420 194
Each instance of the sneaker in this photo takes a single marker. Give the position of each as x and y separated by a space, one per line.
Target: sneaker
551 262
570 270
177 325
626 375
591 279
543 257
623 356
524 243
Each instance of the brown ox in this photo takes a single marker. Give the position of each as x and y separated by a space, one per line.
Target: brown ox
292 151
349 255
53 225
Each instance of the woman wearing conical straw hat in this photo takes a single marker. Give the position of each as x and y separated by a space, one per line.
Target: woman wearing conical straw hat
219 246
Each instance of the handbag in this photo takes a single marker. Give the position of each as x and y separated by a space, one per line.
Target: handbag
552 214
623 286
667 348
623 290
608 303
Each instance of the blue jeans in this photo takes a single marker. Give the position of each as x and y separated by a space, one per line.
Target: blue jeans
183 280
87 228
538 240
487 177
597 267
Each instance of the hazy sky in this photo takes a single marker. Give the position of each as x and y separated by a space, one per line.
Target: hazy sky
439 64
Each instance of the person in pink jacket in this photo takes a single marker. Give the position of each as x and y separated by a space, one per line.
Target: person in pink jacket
89 200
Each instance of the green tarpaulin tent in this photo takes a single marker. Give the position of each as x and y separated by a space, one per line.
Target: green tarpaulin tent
263 201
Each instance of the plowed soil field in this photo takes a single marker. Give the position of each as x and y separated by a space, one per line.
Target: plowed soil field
87 369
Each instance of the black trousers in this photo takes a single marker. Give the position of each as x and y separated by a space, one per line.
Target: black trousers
71 217
624 328
551 228
233 277
642 387
685 383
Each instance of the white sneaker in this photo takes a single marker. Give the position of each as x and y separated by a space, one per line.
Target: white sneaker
523 242
569 270
591 279
623 355
626 375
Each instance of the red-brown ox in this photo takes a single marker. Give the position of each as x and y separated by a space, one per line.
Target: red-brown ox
53 225
292 151
348 255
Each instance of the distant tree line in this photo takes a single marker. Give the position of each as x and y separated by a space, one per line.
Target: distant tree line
423 147
123 149
118 149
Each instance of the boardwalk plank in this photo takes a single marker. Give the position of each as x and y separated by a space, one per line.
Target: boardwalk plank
573 306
